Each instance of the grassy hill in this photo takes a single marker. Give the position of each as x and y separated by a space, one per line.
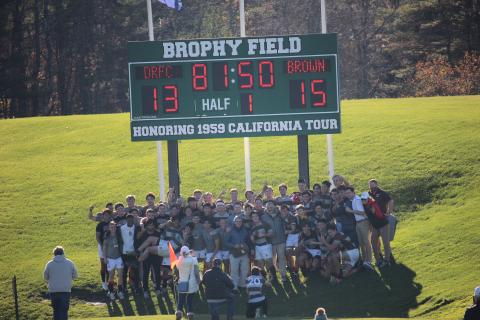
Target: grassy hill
424 151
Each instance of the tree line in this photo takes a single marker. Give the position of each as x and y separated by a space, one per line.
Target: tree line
61 57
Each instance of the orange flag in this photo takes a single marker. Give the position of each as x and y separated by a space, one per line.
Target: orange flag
173 256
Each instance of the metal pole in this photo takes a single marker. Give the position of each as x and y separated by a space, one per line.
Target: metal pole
303 159
331 160
246 140
15 296
161 175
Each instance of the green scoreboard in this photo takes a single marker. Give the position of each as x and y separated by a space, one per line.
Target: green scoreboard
234 87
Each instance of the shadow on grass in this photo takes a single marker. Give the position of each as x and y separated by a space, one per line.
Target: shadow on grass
390 293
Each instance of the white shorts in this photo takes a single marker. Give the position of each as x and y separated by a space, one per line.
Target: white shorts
100 252
292 240
353 256
315 252
200 254
263 252
224 255
162 249
114 263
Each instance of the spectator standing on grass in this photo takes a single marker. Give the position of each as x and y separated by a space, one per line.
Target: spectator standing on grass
188 271
59 273
354 205
380 229
385 203
238 242
218 290
261 234
100 230
113 254
128 235
274 220
473 313
320 314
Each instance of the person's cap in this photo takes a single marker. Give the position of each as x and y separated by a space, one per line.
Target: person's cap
185 250
191 199
237 218
364 196
299 206
197 191
476 292
129 215
217 262
233 190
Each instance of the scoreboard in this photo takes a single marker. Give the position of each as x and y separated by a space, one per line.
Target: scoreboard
234 87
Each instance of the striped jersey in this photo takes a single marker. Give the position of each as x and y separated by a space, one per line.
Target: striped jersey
255 289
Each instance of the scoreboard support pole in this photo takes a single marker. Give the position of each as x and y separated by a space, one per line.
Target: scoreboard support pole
303 159
173 166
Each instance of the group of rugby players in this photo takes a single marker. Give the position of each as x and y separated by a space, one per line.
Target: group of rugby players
329 230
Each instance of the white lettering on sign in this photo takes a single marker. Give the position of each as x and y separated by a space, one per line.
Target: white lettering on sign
273 45
235 128
231 47
215 104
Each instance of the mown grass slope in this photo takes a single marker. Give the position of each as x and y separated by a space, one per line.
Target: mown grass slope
424 151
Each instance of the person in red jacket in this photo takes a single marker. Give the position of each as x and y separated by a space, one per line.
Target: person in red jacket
380 229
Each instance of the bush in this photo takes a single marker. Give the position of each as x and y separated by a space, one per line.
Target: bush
437 77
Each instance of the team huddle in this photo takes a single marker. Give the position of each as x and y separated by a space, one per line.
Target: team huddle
329 230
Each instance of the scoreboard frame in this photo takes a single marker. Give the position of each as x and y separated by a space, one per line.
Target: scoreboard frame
262 118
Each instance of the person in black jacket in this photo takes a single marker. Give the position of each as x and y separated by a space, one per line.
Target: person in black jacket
218 289
473 313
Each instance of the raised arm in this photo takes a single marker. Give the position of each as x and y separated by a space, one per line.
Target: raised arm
90 213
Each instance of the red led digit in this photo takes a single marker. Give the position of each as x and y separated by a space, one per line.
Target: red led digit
302 91
250 103
270 82
245 75
225 75
319 99
172 97
155 103
199 76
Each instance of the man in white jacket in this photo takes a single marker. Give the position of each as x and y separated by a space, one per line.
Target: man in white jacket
59 273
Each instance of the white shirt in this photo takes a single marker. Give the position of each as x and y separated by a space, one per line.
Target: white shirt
358 206
127 236
186 272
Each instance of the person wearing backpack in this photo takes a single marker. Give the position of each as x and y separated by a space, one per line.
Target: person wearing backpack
188 283
380 229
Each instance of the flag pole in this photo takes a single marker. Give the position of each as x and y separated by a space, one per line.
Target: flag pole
161 175
330 156
246 140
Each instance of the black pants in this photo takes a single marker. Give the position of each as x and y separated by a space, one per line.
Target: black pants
131 266
252 307
152 262
60 305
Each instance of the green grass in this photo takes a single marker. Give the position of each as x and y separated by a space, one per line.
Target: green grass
425 151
